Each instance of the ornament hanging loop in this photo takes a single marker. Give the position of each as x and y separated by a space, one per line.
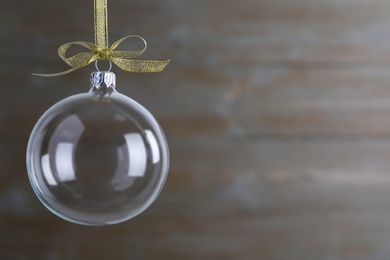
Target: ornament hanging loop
97 67
101 51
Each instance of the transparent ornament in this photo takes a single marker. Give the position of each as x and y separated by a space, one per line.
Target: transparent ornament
97 158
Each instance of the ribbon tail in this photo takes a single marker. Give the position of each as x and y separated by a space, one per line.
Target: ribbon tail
55 74
141 66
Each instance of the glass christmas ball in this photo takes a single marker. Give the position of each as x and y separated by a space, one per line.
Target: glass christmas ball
97 158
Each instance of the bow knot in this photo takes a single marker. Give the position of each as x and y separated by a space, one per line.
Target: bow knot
103 54
121 58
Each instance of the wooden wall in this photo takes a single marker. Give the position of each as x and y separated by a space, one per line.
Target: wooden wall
277 113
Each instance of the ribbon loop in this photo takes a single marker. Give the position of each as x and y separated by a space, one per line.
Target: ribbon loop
100 51
79 60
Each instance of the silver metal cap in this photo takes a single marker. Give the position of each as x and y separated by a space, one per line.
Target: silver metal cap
102 81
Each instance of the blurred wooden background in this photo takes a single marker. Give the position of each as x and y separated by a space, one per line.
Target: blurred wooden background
277 113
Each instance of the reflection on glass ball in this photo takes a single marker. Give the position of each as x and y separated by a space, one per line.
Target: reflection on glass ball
97 158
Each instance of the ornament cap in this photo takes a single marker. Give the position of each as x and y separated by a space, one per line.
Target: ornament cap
102 81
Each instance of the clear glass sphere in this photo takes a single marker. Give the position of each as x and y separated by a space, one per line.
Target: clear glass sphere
97 158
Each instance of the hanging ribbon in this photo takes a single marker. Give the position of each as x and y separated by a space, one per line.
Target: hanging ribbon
100 50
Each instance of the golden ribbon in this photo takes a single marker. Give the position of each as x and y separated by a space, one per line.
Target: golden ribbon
100 50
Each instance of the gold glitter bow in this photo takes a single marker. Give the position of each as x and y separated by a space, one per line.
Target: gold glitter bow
100 50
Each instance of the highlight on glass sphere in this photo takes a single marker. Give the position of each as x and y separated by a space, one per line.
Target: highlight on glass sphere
97 158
